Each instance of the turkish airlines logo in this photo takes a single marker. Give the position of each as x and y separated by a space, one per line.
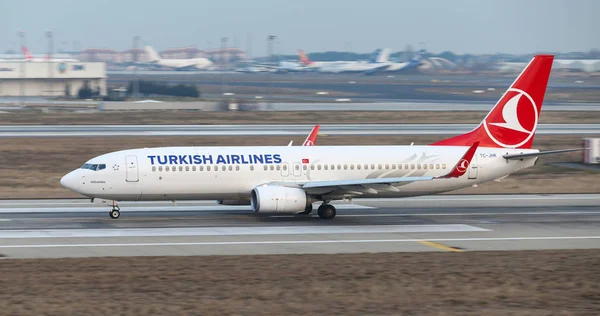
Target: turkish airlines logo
513 121
308 142
462 166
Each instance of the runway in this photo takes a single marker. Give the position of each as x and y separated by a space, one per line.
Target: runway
8 131
457 223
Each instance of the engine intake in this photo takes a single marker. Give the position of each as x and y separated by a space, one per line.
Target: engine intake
279 199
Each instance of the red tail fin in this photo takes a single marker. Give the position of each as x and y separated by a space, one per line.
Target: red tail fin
311 140
513 120
26 53
303 58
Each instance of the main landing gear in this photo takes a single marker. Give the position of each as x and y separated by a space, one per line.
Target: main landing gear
115 212
326 211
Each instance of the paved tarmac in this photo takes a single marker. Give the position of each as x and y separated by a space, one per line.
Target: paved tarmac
457 223
267 130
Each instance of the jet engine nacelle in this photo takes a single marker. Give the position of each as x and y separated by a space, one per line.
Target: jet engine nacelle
271 198
233 202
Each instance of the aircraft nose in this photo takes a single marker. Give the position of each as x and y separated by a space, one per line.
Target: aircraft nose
69 181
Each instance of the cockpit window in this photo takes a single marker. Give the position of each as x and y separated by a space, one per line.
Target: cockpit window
95 167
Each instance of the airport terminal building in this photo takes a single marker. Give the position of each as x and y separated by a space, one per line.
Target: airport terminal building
22 78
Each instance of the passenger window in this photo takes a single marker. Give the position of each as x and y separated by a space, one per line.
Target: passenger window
332 167
266 168
272 168
153 168
399 166
252 167
379 166
207 168
224 168
230 168
358 167
318 167
412 166
372 166
339 167
187 168
387 167
394 166
437 166
159 168
345 167
366 167
193 168
237 168
419 166
304 167
298 167
325 167
201 168
425 166
406 166
443 166
312 167
430 166
278 167
167 168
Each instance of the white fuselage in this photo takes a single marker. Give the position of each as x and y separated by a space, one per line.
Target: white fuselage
213 173
197 63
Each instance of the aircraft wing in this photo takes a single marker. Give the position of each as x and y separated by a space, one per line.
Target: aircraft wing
355 187
541 153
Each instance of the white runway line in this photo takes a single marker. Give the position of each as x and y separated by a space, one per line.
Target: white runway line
236 231
284 242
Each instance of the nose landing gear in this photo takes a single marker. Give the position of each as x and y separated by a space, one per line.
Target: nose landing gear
115 212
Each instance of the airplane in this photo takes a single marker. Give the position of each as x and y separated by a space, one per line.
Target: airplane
30 58
177 64
289 179
379 60
399 67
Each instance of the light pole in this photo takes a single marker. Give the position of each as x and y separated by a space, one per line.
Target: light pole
21 35
270 41
223 65
135 57
50 68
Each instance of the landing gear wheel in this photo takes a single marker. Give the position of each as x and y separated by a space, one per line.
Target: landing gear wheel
326 211
307 210
114 214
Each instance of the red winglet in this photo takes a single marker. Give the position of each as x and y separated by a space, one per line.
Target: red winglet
463 164
311 140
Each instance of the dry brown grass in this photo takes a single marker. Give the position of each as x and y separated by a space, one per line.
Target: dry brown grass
469 283
32 167
268 117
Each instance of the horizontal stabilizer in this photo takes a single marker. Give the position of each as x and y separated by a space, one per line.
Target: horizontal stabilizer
528 155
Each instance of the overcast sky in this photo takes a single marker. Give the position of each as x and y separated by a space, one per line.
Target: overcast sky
488 26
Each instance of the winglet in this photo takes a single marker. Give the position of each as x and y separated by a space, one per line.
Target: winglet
311 140
463 164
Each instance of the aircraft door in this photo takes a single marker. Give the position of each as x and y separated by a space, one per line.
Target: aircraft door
473 168
284 169
297 169
131 169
